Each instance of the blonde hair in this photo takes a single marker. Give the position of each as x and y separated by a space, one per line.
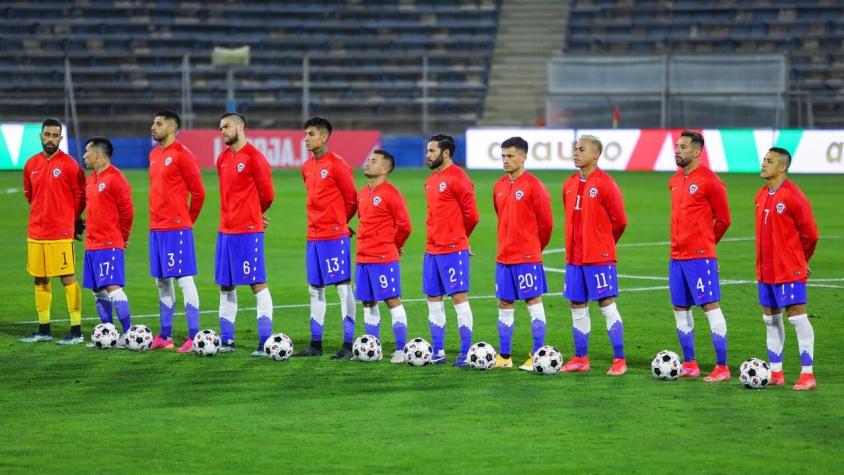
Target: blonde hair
594 141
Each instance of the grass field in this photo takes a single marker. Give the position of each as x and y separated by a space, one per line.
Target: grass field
81 410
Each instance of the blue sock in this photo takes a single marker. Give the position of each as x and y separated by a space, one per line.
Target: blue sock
192 316
687 343
265 329
166 318
226 331
537 329
616 334
316 330
506 322
465 340
437 337
121 307
720 344
400 332
348 329
104 307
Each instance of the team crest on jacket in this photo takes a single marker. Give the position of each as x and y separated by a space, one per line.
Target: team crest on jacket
101 187
443 186
780 207
593 192
520 194
57 172
323 173
240 167
376 201
692 189
168 161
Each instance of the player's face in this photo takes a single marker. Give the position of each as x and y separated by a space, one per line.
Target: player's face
230 131
375 165
513 158
685 152
433 155
315 139
161 128
585 154
772 165
51 137
91 157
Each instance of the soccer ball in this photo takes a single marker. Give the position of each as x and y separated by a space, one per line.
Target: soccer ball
367 348
481 356
278 347
547 360
666 366
418 352
138 338
754 374
105 336
206 343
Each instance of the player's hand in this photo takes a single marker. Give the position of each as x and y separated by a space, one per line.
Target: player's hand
351 231
266 220
401 251
78 229
470 251
808 271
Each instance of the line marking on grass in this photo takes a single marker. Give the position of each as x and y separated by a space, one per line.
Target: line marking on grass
562 250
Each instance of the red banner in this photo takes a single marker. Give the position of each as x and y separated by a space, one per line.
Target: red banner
283 148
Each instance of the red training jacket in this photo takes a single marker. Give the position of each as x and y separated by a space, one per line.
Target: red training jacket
55 191
700 214
108 220
246 189
452 210
332 198
786 234
384 224
173 175
601 218
525 222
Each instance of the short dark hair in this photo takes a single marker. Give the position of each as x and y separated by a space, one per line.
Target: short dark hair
102 143
695 136
784 153
234 114
444 142
51 123
517 142
172 115
320 123
388 156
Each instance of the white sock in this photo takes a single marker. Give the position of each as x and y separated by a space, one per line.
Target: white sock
805 341
189 293
399 315
580 320
228 305
507 316
166 292
611 315
685 321
264 302
348 306
436 313
717 323
118 296
464 315
775 341
371 315
317 295
537 312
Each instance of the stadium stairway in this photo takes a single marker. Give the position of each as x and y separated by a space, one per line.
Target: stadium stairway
530 32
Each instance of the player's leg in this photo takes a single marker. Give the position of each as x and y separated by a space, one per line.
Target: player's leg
224 277
530 281
264 304
103 305
775 332
247 251
433 288
185 260
315 272
577 293
73 296
465 324
191 298
399 321
36 266
109 268
341 250
366 294
702 279
603 282
682 300
386 279
793 297
505 291
166 291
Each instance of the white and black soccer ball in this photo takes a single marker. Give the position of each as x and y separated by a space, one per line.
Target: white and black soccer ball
367 348
755 374
481 356
547 361
278 347
418 352
138 338
105 336
206 343
666 366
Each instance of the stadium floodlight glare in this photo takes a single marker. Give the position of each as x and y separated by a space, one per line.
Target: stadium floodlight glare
230 57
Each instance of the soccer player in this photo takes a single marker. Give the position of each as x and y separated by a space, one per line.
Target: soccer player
246 193
523 207
595 221
108 222
54 186
331 203
786 236
452 216
384 228
700 215
173 178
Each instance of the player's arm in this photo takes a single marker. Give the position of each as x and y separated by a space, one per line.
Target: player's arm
263 178
77 188
401 217
27 184
807 229
125 208
468 205
720 208
614 204
542 210
345 179
189 167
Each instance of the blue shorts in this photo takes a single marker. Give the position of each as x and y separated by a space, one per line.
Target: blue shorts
445 274
327 262
103 267
782 295
586 283
693 282
519 281
171 253
239 259
376 282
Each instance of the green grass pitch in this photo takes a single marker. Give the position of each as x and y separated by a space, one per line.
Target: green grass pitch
80 410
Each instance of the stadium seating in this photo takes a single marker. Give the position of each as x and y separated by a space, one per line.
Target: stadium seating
365 61
810 32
